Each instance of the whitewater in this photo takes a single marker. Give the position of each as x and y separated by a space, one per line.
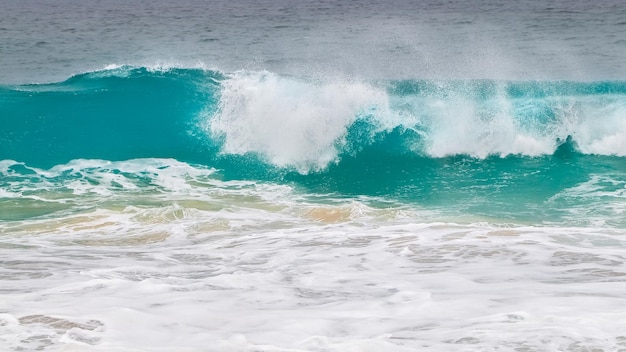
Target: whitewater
319 176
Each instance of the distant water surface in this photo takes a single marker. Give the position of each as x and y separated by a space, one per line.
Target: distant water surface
50 40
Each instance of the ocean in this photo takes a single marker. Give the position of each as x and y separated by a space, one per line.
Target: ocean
312 176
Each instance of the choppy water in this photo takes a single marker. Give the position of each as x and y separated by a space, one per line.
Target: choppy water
47 41
271 176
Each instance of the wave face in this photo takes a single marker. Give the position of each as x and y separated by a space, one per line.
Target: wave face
297 123
414 139
113 114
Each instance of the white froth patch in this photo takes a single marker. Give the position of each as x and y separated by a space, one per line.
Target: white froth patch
8 194
292 123
458 122
609 145
528 145
598 126
390 285
6 164
460 125
605 134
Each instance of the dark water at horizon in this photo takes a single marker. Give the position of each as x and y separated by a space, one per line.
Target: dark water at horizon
47 41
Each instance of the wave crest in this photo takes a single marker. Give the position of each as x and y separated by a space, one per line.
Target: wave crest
290 123
213 118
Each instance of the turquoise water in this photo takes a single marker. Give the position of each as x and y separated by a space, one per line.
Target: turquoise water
312 176
511 159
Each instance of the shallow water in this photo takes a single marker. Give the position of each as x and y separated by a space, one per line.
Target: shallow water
186 261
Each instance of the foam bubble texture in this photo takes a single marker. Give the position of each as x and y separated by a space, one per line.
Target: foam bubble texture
291 123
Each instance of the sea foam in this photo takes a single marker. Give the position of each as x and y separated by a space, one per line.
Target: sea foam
290 122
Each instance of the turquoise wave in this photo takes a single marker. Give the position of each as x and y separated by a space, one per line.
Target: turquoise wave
519 150
323 133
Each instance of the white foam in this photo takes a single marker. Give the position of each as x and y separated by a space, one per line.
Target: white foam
301 286
457 123
8 194
603 129
301 124
187 258
292 123
6 164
